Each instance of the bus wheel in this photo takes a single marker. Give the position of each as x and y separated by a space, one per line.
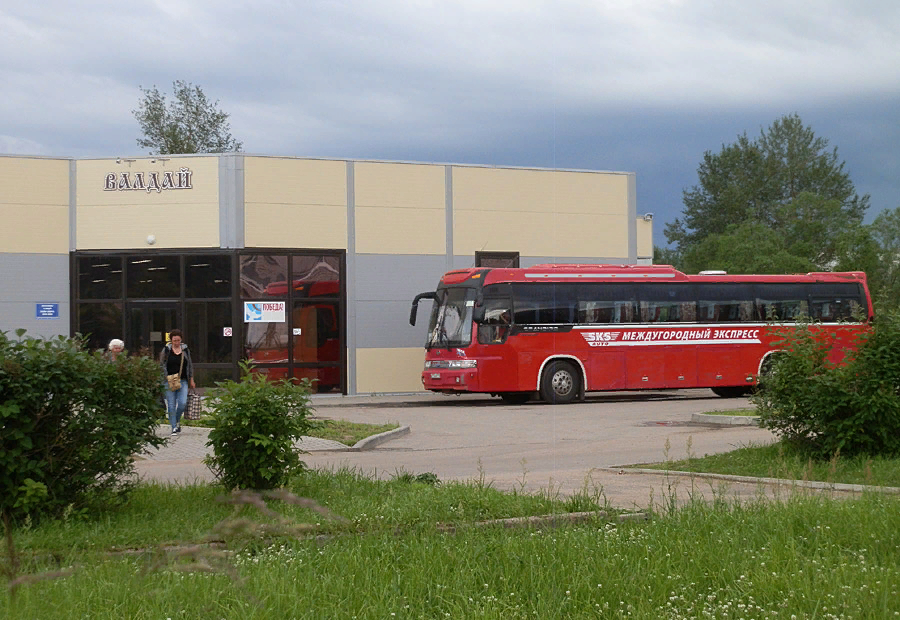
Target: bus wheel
730 391
560 383
515 398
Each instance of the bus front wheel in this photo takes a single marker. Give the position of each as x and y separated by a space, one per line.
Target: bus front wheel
560 383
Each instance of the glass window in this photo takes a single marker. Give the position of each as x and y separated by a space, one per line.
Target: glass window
451 318
99 277
544 303
316 332
324 380
266 343
153 276
316 276
208 377
100 322
207 275
204 324
667 303
494 327
837 302
264 275
496 259
781 302
727 302
606 303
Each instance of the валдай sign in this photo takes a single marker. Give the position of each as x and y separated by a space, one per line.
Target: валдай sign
149 182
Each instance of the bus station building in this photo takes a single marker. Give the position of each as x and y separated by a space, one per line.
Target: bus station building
307 266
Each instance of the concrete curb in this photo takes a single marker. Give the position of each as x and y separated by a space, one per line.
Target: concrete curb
725 420
376 440
806 484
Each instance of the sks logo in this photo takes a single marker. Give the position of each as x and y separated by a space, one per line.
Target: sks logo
600 339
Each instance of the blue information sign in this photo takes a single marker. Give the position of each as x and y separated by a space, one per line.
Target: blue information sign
46 311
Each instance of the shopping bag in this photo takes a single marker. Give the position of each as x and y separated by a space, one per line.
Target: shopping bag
194 406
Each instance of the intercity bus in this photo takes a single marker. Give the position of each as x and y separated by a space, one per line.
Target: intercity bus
559 330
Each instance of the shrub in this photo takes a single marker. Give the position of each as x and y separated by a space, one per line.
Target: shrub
70 422
827 409
254 426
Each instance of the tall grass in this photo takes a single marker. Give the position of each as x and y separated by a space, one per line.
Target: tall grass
807 557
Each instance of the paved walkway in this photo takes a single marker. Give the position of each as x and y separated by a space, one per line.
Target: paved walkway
190 444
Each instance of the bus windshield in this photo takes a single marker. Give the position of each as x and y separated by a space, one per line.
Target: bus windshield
451 318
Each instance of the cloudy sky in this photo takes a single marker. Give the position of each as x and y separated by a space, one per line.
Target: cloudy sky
630 85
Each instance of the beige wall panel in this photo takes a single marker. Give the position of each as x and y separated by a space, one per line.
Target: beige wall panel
30 181
400 208
127 226
276 180
389 370
295 226
91 180
407 186
644 237
34 205
541 234
123 219
539 191
40 229
400 231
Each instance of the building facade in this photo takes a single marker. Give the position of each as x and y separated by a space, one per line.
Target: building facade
306 266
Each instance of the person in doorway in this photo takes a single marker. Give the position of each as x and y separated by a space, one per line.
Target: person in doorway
176 359
116 348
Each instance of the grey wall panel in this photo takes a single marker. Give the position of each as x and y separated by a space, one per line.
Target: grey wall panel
34 277
21 314
29 279
464 262
531 261
394 277
386 324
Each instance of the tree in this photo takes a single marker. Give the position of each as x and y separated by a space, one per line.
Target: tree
189 124
787 180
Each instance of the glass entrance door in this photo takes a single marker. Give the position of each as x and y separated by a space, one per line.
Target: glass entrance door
149 324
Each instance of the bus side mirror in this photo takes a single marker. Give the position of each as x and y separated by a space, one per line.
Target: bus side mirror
478 313
415 305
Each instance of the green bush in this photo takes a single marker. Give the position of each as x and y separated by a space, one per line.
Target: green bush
254 426
70 422
827 409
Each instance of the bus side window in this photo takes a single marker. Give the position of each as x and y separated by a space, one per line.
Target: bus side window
494 328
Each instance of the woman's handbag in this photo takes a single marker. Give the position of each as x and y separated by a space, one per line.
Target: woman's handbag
194 406
174 381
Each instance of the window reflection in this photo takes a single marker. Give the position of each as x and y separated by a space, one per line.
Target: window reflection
324 380
99 277
207 275
259 271
266 343
204 325
153 276
100 323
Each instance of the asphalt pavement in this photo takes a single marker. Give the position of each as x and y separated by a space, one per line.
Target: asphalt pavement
179 460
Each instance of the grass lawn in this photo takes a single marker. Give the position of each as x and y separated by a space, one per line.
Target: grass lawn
384 557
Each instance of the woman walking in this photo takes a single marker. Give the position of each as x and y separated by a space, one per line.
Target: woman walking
176 360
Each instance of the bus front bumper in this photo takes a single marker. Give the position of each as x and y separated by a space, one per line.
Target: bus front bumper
443 380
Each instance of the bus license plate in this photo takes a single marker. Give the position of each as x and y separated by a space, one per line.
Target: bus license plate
435 375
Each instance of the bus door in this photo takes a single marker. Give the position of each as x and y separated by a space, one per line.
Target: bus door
665 358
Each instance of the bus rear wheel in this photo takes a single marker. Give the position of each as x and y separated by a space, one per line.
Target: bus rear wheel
515 398
560 383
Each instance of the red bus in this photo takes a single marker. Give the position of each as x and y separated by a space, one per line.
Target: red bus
561 330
